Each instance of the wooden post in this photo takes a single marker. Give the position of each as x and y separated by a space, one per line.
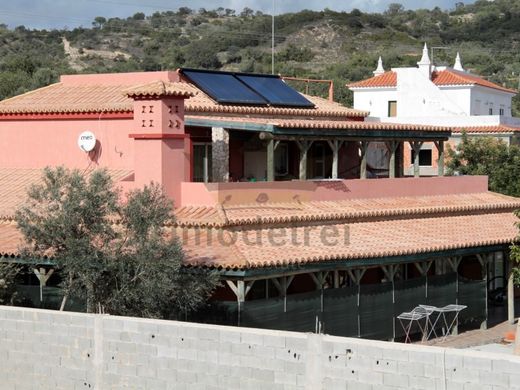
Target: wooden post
304 148
392 148
416 147
282 285
240 289
363 147
484 260
270 160
356 276
335 145
510 290
390 271
440 159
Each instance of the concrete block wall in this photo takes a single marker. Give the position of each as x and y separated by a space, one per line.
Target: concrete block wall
55 350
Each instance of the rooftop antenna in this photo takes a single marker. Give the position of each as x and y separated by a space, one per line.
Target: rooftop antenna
272 39
436 48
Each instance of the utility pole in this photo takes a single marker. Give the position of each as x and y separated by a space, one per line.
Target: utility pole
272 39
437 48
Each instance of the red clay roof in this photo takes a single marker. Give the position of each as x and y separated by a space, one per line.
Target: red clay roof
498 129
161 88
366 239
338 124
387 79
63 98
454 77
440 78
14 183
352 209
249 236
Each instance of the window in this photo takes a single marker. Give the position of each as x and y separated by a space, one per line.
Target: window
392 108
281 160
202 162
425 157
491 111
501 111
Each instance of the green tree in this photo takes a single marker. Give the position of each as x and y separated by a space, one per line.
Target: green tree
488 156
99 21
118 256
8 273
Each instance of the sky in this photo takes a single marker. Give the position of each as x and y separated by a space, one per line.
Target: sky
50 14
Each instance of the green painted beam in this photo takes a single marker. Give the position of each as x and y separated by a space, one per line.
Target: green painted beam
230 125
365 134
272 272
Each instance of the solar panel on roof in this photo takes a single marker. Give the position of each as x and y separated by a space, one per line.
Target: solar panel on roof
243 88
275 91
224 87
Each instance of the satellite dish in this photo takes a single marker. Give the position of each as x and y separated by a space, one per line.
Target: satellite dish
87 141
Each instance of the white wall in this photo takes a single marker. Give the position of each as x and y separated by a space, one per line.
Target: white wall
375 100
489 98
417 97
42 349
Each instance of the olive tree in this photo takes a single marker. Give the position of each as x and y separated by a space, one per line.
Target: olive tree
119 255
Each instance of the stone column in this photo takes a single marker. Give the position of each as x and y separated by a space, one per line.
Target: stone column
270 160
220 154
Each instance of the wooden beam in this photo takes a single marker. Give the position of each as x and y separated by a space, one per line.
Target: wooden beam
304 146
440 159
363 148
335 145
454 262
356 274
392 148
416 147
423 267
336 279
390 271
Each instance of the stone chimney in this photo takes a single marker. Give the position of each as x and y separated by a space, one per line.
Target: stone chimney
458 64
425 65
380 70
162 149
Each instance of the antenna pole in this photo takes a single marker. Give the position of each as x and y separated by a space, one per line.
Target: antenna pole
272 39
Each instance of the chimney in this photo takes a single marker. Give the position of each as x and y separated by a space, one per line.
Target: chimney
162 149
380 70
458 64
425 65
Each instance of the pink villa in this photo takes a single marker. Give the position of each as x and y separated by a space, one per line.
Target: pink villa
270 189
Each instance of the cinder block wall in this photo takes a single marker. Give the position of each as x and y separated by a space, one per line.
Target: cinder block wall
54 350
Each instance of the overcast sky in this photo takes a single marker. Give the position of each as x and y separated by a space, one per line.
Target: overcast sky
72 13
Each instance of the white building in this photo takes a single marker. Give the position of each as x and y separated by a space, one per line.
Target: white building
432 95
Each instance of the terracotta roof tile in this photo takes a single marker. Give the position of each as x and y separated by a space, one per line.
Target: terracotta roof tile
387 79
498 129
60 98
361 228
161 88
241 249
440 78
345 210
338 124
14 183
86 98
454 77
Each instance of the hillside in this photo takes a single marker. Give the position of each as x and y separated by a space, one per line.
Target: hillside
331 45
